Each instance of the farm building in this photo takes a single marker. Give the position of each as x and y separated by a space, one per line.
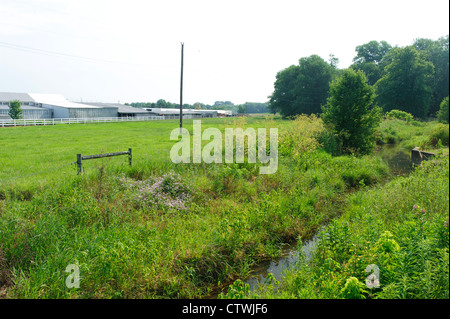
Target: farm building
124 110
37 105
62 108
29 107
45 106
28 112
175 113
187 113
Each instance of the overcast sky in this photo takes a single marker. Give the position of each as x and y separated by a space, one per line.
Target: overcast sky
130 50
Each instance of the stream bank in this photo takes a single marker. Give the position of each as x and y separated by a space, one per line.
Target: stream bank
399 161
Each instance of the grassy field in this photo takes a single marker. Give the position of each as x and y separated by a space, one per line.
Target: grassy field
165 230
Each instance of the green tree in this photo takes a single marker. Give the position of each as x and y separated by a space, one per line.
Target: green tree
15 109
302 88
242 109
405 85
350 113
442 114
370 59
372 51
284 95
255 107
436 52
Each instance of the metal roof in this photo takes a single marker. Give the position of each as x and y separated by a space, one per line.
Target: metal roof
122 108
49 99
10 96
59 100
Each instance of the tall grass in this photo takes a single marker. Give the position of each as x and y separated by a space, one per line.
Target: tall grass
401 227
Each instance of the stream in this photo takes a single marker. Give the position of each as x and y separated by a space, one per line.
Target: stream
399 161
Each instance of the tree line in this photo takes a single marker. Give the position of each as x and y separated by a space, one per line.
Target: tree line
413 79
248 107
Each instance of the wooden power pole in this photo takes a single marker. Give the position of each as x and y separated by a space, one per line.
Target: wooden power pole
181 90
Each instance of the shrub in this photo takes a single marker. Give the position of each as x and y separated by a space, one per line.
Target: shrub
302 136
442 114
439 133
353 289
401 115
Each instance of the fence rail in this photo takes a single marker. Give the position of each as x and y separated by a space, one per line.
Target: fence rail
81 158
31 122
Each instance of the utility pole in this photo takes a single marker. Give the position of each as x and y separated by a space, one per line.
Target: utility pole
181 90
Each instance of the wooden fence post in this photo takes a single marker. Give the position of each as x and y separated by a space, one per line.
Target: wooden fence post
130 157
79 163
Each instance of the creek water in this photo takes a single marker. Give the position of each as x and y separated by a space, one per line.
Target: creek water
399 161
397 158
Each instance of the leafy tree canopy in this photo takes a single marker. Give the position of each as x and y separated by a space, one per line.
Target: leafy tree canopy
406 84
350 113
15 109
302 88
370 59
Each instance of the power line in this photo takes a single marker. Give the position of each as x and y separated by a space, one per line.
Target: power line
60 34
53 53
40 7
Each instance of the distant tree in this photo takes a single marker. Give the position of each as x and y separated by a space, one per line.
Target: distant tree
370 59
350 113
302 88
224 105
161 104
333 61
242 109
199 106
372 51
442 114
15 109
406 83
254 107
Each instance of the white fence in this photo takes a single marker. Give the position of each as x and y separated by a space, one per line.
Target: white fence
28 122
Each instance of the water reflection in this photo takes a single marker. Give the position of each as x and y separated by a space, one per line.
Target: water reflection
396 157
289 260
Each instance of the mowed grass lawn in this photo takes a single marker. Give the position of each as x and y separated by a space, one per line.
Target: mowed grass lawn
26 151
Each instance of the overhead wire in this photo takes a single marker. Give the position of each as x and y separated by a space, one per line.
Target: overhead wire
53 53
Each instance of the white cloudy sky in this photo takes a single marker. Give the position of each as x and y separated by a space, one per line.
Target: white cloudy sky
130 50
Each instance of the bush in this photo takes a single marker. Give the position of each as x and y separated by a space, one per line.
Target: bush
442 114
439 135
353 289
401 115
302 137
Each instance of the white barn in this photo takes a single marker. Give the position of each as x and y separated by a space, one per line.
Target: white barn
30 110
36 105
62 108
